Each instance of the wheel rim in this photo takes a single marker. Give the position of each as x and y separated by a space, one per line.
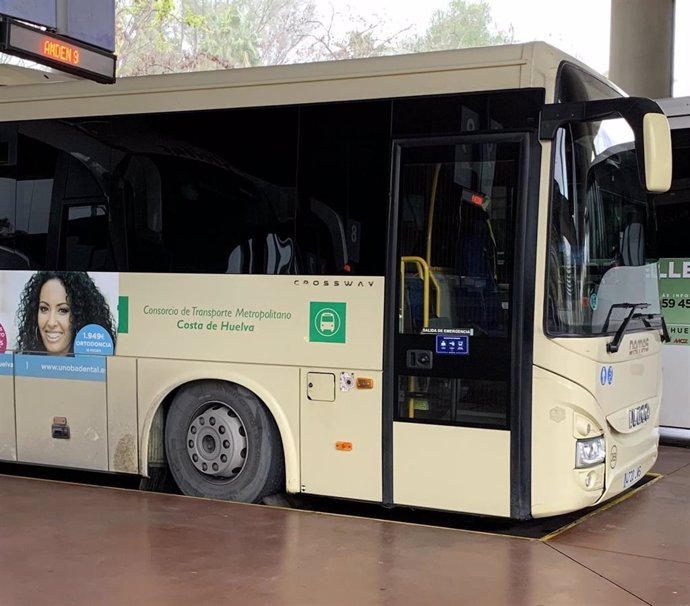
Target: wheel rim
217 441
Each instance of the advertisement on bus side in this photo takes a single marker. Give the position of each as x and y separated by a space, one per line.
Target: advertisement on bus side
70 317
258 319
674 292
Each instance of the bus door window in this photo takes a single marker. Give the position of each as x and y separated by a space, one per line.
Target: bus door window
456 205
476 265
455 239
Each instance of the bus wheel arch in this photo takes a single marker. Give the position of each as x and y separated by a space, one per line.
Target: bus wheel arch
221 441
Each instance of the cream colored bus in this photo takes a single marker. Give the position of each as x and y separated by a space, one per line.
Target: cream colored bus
416 280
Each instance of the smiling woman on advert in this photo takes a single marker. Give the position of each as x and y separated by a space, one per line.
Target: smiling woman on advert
54 306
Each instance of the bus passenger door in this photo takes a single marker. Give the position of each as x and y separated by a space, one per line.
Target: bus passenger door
451 355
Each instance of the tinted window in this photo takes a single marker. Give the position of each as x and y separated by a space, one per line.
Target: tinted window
455 114
36 164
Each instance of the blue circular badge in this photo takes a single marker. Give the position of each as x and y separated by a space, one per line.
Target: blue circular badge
593 301
94 340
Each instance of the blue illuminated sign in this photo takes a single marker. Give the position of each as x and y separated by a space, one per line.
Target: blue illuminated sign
452 345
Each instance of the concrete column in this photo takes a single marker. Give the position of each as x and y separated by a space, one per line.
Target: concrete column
641 58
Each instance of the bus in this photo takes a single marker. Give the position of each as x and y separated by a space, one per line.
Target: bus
11 74
419 281
672 212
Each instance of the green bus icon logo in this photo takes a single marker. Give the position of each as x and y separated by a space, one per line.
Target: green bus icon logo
327 322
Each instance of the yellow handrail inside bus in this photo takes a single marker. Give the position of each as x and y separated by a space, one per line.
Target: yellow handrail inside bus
427 277
432 210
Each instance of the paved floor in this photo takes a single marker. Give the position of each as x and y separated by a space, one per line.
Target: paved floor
66 544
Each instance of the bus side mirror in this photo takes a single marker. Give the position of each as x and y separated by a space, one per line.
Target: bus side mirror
649 124
658 163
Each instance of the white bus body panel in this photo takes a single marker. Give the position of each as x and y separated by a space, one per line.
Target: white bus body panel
341 437
675 405
82 403
452 468
8 436
272 360
595 398
534 64
123 427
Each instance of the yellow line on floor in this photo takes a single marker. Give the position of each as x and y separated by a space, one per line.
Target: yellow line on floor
655 477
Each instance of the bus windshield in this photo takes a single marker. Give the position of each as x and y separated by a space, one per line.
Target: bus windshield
599 264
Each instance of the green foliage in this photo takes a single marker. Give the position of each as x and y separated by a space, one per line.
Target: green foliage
155 36
365 39
462 24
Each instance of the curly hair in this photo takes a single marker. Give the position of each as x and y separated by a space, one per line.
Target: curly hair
87 306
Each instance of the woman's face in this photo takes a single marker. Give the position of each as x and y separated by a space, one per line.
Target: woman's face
54 318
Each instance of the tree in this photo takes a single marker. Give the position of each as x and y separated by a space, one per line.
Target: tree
155 36
142 36
283 28
188 35
463 24
361 38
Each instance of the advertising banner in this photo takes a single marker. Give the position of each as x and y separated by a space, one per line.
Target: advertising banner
674 292
58 324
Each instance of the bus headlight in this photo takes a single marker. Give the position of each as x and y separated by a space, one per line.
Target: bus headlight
591 451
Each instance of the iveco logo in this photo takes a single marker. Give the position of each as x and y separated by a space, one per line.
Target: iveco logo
638 346
638 415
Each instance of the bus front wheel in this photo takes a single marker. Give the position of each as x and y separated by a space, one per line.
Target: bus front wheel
222 443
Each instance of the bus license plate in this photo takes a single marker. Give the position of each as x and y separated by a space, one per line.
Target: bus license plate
631 476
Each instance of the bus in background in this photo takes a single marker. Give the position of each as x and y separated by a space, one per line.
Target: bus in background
419 281
672 211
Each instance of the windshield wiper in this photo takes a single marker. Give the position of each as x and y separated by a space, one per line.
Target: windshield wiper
615 343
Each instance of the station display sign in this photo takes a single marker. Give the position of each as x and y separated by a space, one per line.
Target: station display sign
59 52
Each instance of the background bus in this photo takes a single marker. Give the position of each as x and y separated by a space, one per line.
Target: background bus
673 224
417 280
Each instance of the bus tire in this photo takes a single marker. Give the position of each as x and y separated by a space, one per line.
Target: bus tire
222 443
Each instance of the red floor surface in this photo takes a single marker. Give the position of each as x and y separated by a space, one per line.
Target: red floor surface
71 544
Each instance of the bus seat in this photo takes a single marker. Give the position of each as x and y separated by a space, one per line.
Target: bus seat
632 244
414 304
478 302
322 242
84 257
267 254
13 259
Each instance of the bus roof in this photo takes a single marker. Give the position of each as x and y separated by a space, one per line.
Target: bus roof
533 64
677 109
13 75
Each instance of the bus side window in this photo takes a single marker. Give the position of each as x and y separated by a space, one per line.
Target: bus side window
13 259
30 191
86 238
144 216
79 224
322 244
